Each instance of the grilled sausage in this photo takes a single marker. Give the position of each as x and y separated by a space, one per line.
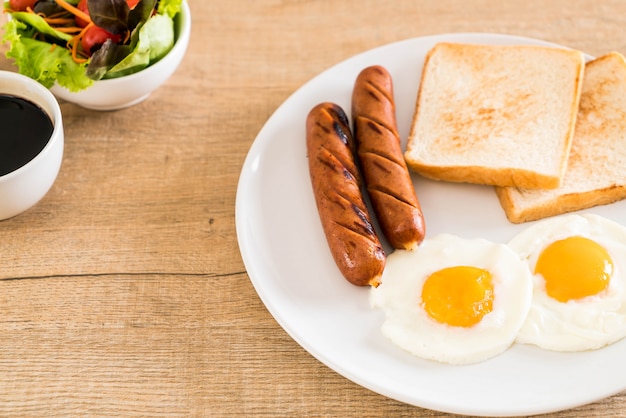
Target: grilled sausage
384 169
336 181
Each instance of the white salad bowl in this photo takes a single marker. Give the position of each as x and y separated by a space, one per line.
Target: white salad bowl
25 186
119 93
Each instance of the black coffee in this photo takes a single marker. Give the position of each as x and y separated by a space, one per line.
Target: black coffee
25 129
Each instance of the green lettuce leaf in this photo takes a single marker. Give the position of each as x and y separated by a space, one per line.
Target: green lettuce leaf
169 7
159 31
38 24
43 61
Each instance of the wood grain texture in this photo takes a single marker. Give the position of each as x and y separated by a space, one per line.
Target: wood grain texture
123 293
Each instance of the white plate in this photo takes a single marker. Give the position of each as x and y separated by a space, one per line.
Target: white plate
286 256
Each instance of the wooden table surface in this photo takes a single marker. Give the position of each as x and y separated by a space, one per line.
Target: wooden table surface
123 292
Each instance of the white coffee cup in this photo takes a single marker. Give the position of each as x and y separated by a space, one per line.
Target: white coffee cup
25 186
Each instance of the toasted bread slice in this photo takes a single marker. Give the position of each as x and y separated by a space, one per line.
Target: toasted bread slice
495 114
596 170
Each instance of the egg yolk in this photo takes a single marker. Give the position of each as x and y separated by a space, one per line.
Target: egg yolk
458 296
574 268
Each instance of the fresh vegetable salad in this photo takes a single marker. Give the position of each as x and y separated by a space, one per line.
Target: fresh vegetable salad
75 43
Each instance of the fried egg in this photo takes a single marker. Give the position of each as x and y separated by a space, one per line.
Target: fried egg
454 300
579 296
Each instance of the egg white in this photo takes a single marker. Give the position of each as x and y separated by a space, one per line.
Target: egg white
583 324
408 325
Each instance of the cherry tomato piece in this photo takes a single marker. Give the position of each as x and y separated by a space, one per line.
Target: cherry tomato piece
94 37
82 6
21 5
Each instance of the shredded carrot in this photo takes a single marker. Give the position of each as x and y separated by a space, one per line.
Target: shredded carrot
59 21
69 30
58 14
73 10
53 47
73 44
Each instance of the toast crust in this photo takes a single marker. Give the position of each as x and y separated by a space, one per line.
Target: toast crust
558 205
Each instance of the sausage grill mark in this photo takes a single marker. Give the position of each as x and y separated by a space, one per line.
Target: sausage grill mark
365 225
374 126
385 101
322 127
341 133
332 161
